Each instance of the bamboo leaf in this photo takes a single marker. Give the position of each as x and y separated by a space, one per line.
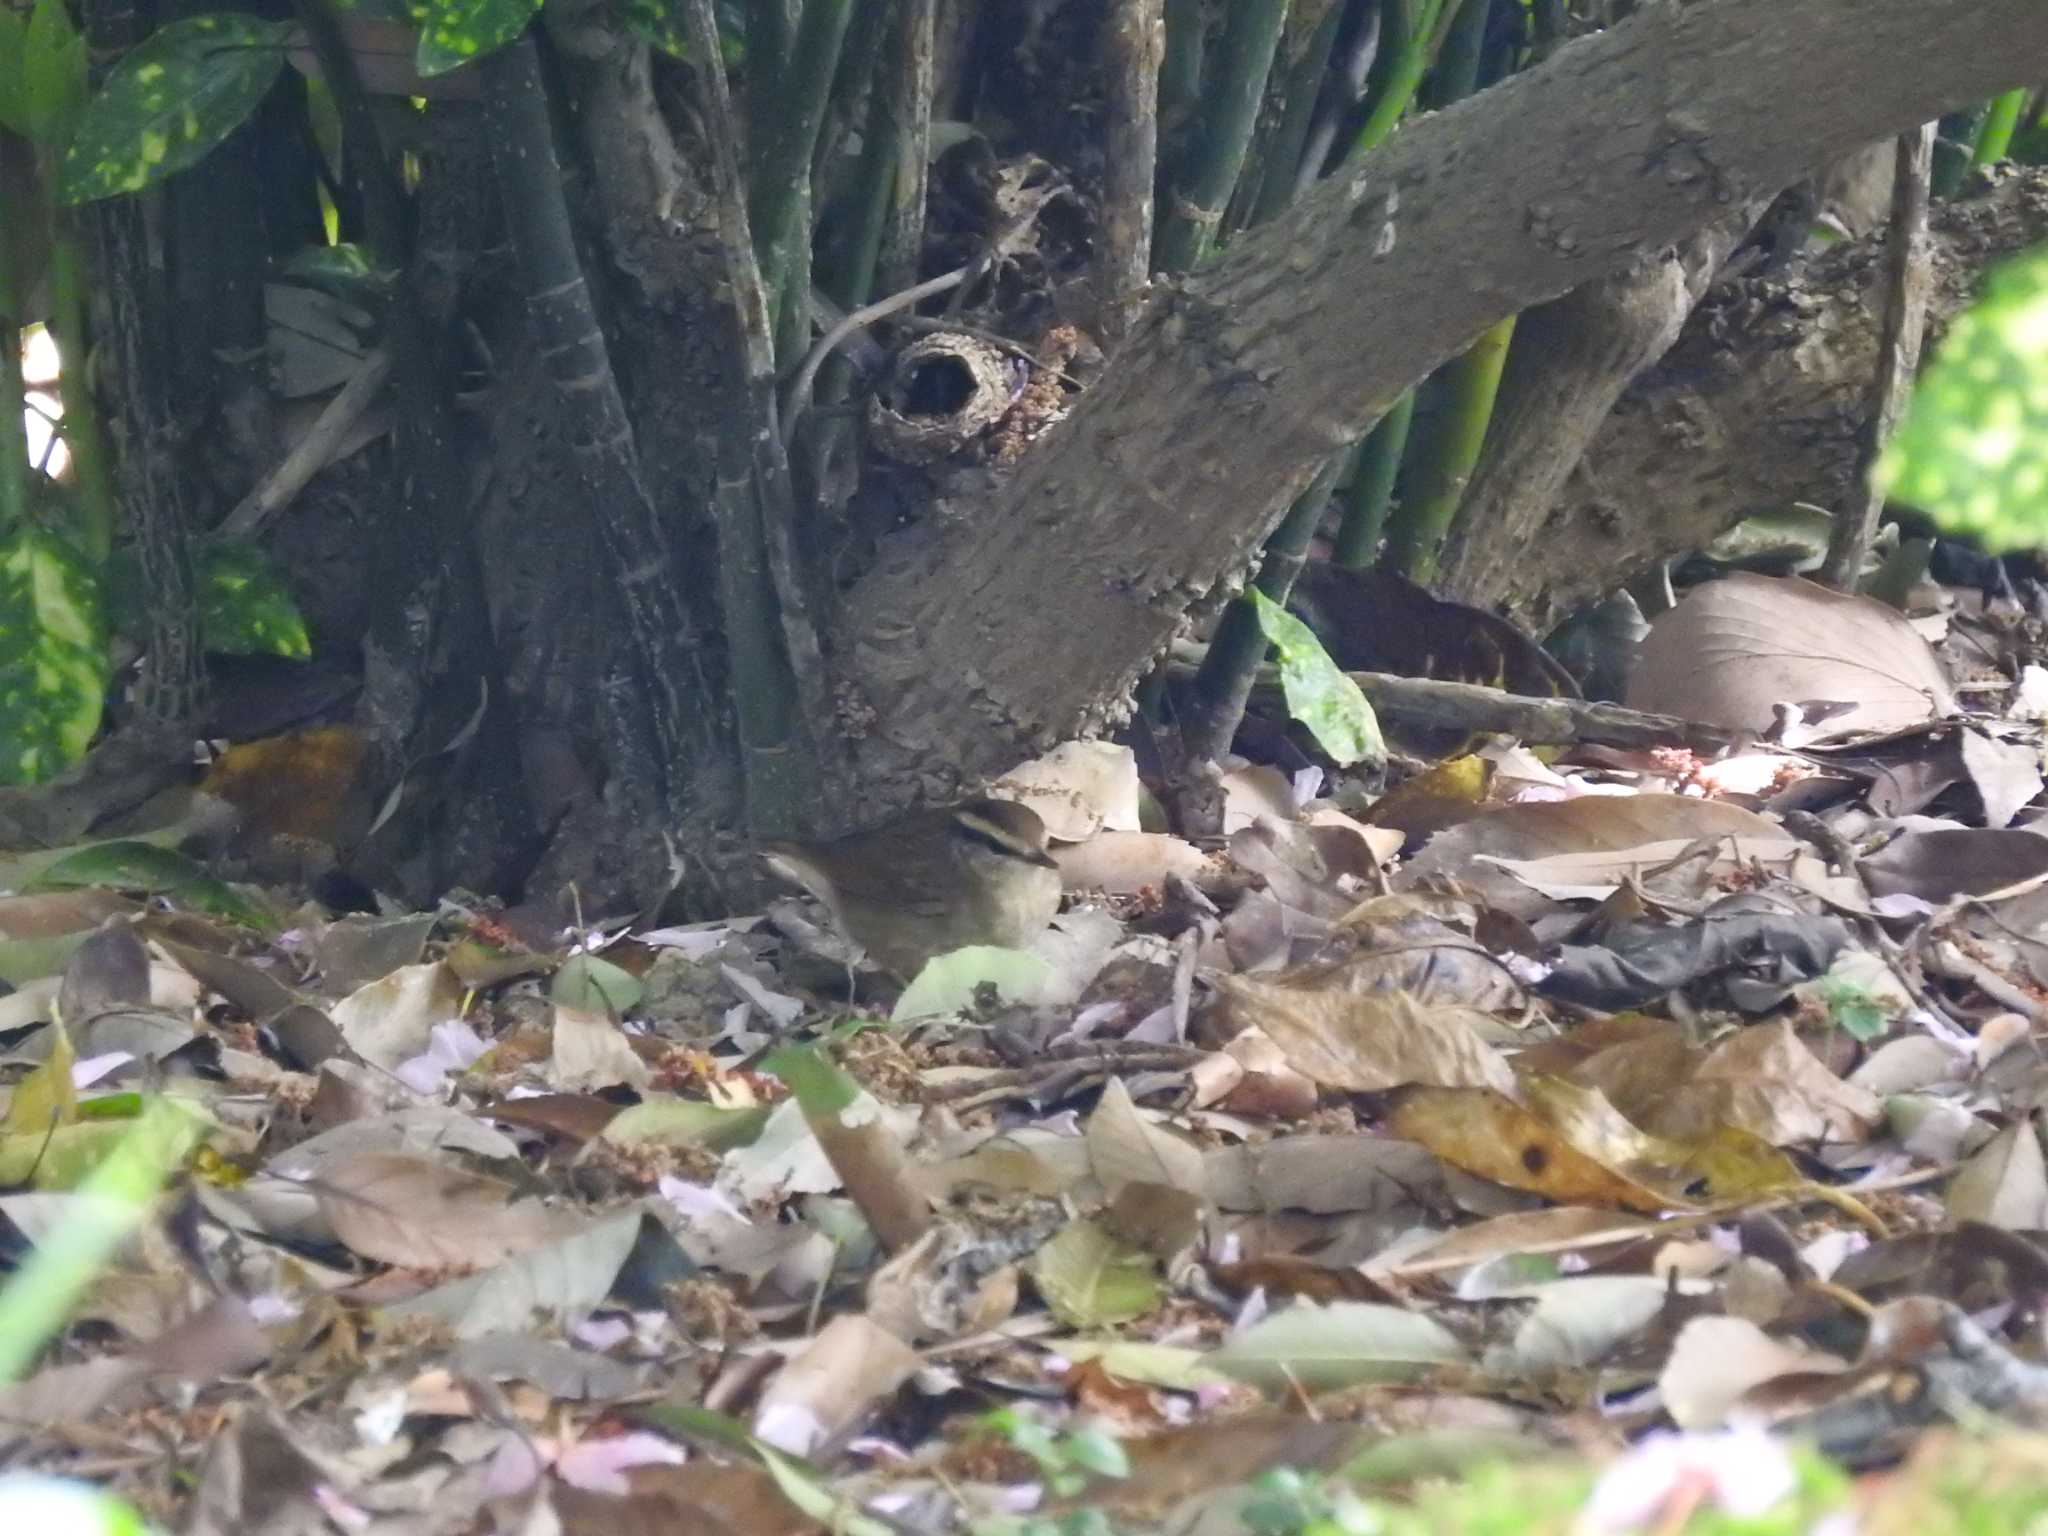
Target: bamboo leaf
1319 695
170 101
53 655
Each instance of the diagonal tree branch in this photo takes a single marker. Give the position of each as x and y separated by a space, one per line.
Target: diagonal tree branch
1236 384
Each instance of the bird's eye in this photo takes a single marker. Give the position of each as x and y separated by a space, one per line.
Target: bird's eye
981 840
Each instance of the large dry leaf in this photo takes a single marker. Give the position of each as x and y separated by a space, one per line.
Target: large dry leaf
831 1382
1943 863
1553 1229
421 1214
1324 1175
1361 1039
391 1020
1079 788
1125 863
1577 1322
1716 1360
1341 1345
559 1281
1765 1081
1579 1151
591 1052
1634 1060
2006 1184
1125 1148
1473 853
2007 774
1734 649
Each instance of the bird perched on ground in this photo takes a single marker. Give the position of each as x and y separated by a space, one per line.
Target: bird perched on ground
936 880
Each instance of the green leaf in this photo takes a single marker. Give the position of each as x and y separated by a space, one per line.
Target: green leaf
170 101
662 1120
822 1090
948 982
130 865
595 985
811 1496
52 74
344 270
1972 451
1098 1451
244 606
1341 1345
13 97
1091 1279
457 31
125 1167
53 656
1319 695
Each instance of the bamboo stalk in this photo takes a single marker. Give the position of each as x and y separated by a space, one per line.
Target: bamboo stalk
1372 486
778 687
1446 454
1280 157
1417 49
1994 139
778 191
908 91
84 432
1224 684
1244 57
13 429
1180 85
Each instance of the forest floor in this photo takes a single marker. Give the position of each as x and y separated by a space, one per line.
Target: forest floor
1581 1136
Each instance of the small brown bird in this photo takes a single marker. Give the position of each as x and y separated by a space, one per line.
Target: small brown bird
933 881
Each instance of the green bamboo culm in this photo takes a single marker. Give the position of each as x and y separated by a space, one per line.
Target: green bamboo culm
1283 150
1371 493
1441 460
13 430
1456 72
1955 145
1180 84
1414 48
778 191
84 434
1236 86
1994 139
1445 455
1223 684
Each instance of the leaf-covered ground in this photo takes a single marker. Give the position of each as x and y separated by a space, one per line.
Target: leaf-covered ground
1608 1138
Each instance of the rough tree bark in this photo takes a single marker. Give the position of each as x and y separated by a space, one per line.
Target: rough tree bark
1759 405
1032 618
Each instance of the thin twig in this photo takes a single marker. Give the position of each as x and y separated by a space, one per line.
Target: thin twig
798 398
313 452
